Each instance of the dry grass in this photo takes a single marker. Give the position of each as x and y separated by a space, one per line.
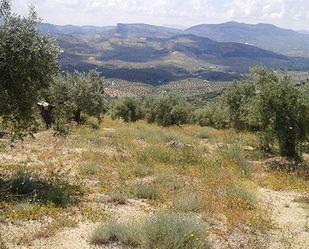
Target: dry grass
205 171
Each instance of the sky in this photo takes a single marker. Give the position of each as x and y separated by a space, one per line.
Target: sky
292 14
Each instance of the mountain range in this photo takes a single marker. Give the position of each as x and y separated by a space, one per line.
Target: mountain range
156 55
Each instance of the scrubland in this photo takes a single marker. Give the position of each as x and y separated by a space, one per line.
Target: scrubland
138 185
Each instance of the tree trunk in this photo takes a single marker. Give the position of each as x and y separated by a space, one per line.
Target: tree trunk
77 116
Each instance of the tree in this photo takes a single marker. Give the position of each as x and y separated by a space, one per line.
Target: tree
129 109
167 110
77 93
28 62
214 114
237 99
284 111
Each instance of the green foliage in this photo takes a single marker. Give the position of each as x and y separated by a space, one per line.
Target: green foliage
215 115
284 111
28 61
167 110
129 109
237 99
275 106
75 94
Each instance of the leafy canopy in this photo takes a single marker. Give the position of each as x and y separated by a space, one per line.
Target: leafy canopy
28 62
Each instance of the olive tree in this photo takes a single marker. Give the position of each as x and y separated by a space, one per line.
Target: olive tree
167 110
28 62
129 109
284 111
77 93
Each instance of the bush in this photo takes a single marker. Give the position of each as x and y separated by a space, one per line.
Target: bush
92 122
167 110
172 231
149 192
23 186
164 231
187 202
115 232
240 197
129 109
142 170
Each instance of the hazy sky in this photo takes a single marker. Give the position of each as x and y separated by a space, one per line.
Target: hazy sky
285 13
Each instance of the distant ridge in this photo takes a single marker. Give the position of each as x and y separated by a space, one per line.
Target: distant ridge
266 36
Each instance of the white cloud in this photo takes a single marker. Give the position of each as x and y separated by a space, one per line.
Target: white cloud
290 13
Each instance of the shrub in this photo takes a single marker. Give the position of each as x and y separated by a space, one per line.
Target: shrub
115 232
129 109
164 231
240 197
167 110
172 231
149 192
187 202
117 198
142 170
23 186
92 122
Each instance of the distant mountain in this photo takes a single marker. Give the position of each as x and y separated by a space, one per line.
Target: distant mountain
78 31
264 36
146 30
157 55
125 30
127 56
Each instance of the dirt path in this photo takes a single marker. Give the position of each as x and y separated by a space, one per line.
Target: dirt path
291 219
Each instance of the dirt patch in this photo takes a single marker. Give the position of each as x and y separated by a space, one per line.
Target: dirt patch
291 219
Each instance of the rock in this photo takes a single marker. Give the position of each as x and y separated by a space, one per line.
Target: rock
177 145
281 163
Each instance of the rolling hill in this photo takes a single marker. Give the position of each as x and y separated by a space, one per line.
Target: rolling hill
157 55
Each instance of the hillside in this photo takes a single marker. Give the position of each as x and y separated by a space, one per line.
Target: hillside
161 60
266 36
